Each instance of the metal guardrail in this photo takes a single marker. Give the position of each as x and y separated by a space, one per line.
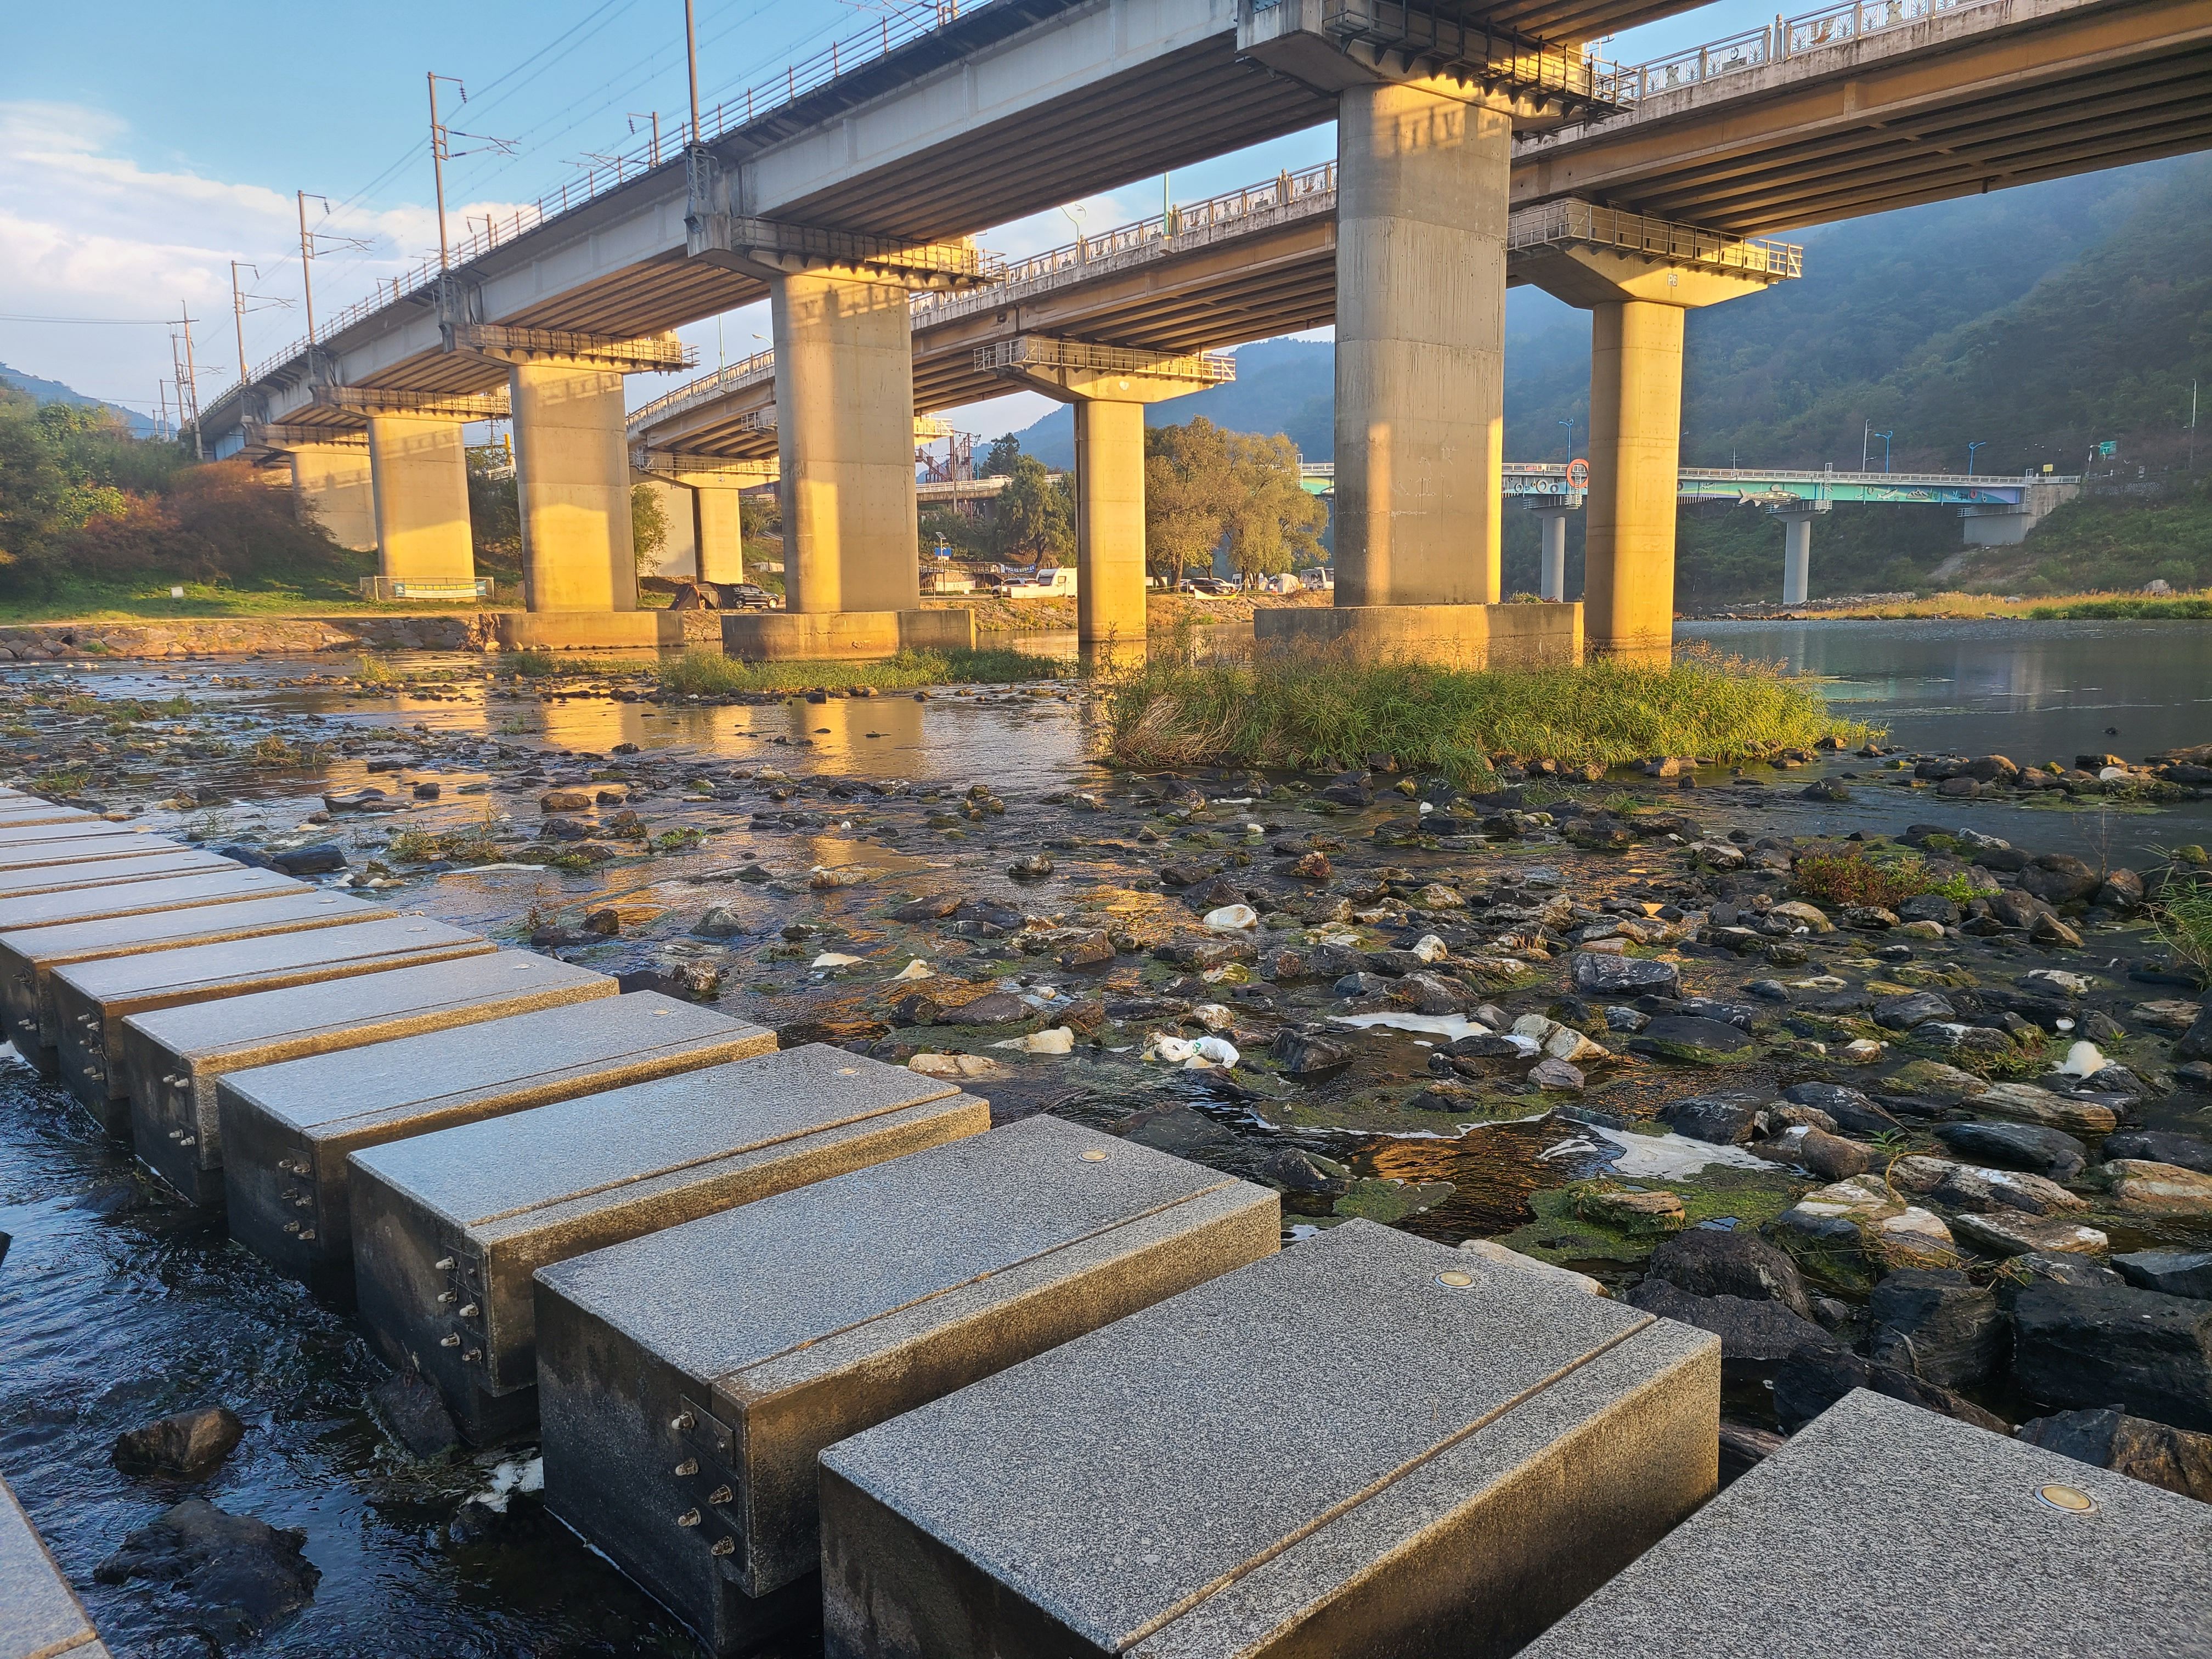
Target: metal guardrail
1042 351
905 21
1604 227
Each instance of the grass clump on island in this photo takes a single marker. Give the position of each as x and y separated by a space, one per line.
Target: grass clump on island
709 674
1854 878
1305 708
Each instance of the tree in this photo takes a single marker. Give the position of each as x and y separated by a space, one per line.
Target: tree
1033 518
494 512
648 527
1186 496
1272 525
999 459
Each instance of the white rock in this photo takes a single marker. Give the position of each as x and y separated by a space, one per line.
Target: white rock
1491 1250
1232 918
1430 948
1173 1049
834 959
2082 1060
915 969
1213 1015
2059 980
962 1067
1058 1041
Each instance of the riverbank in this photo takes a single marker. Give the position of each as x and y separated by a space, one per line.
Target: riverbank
1959 607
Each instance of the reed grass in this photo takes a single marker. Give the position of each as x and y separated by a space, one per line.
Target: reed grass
709 674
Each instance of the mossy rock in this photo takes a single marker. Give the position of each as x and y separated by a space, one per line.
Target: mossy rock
1933 1080
1379 1197
1561 1235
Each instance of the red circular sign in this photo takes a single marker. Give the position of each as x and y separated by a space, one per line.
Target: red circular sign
1578 475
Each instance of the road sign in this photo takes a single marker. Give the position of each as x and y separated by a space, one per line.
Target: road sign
1578 475
2108 448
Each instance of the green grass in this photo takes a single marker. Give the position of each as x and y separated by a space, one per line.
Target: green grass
2183 918
709 674
1854 878
533 665
2145 609
1307 709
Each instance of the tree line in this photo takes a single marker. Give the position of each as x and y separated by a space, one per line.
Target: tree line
1208 491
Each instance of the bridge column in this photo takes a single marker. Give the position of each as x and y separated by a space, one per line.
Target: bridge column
844 371
337 483
1796 555
1598 258
715 484
421 472
1552 571
572 461
1109 386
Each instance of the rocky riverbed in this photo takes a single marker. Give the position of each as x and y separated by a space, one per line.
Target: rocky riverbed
1922 1112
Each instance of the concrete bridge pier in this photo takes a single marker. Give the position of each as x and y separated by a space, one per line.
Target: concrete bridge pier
715 484
335 482
1552 571
1637 300
1110 388
421 474
1796 554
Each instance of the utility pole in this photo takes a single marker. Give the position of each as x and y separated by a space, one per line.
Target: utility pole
438 165
238 316
691 59
188 384
161 419
1866 443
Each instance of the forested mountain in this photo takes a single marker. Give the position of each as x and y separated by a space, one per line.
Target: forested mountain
53 392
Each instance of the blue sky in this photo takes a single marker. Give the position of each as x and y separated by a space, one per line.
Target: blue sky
141 150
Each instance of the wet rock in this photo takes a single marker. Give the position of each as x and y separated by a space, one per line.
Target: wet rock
1965 1186
2158 1454
1712 1261
1296 1171
240 1574
565 801
2029 1104
1091 950
1307 1052
2196 1042
1692 1040
1935 1324
2017 1146
1625 976
2161 1146
1826 789
926 909
1182 1130
2054 934
2141 1187
188 1446
1756 1335
416 1418
2148 1352
1868 918
605 921
2059 878
1721 1122
321 859
1035 866
1312 867
992 1008
1553 1074
2060 1267
2170 1272
1832 1157
1903 1013
1816 1377
1853 1112
2015 1233
719 922
1929 906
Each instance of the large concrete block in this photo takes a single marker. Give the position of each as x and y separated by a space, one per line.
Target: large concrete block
1883 1531
114 840
225 883
687 1380
1368 1444
448 1228
93 998
40 1617
22 879
29 956
170 1060
39 811
1469 636
288 1129
89 832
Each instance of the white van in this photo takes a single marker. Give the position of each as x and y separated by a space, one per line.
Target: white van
1055 584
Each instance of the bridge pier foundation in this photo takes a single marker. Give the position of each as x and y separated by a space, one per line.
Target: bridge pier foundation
1797 555
1552 569
1635 455
337 483
421 473
572 483
844 389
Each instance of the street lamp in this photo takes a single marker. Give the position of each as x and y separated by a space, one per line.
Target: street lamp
1570 424
1971 448
1885 437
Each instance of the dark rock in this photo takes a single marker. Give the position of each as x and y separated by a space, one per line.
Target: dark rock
417 1419
927 909
1183 1131
1700 1041
1596 975
1305 1051
2170 1272
2150 1353
1092 951
187 1446
1852 1111
1916 1008
1830 1157
1744 1447
1929 906
1755 1335
2017 910
247 855
2196 1042
1556 1074
2057 879
2123 891
2160 1146
1485 1045
1814 1377
2050 1152
2106 1436
319 860
1212 894
719 922
990 915
916 1008
1722 1122
1204 953
2060 1267
239 1572
992 1008
1829 789
1937 1325
1711 1262
2006 860
1362 984
1293 1171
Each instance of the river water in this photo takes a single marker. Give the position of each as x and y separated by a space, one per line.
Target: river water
113 1311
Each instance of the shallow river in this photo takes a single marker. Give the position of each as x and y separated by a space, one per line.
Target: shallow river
113 1313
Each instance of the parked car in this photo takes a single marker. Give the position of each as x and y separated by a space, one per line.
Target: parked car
747 596
1210 584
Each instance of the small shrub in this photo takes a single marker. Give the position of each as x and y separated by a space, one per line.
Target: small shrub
2183 918
533 665
59 783
1853 879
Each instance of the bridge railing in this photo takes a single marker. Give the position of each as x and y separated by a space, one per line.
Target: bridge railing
1585 222
730 377
1787 37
